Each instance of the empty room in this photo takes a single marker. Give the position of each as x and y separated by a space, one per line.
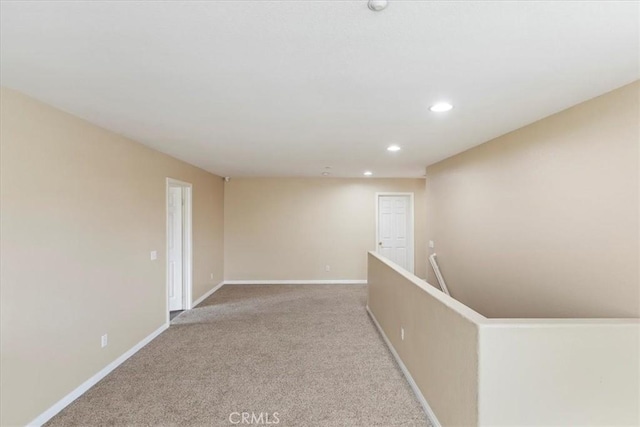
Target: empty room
320 213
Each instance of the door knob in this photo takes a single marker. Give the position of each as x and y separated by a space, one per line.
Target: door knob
379 243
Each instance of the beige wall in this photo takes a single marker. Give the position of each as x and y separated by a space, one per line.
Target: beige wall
291 228
81 210
507 372
560 372
440 346
543 222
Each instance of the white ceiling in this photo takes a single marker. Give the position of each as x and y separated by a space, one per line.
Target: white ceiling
260 88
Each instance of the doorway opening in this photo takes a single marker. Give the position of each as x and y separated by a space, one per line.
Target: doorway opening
179 247
394 228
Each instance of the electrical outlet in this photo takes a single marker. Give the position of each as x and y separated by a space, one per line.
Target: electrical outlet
211 276
154 255
327 268
104 340
432 244
402 334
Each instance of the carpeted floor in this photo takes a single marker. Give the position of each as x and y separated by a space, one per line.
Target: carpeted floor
300 355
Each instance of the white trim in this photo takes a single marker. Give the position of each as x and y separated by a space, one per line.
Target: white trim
411 231
187 246
206 295
434 292
425 405
295 282
62 403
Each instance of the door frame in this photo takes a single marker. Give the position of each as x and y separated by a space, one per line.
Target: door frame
410 224
187 243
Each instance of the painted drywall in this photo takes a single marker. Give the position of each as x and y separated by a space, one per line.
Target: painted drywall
292 228
440 346
560 372
81 210
507 372
543 222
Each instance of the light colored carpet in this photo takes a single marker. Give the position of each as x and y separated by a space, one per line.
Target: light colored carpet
308 352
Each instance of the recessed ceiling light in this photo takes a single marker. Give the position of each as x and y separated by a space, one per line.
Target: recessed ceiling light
368 173
326 173
377 5
441 107
394 148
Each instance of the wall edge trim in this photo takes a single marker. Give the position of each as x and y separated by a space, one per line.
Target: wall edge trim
207 294
416 390
82 388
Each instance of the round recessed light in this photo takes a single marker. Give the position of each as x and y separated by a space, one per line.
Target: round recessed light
326 173
441 107
377 5
393 148
368 173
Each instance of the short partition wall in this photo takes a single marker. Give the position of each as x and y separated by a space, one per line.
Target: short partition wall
574 372
473 371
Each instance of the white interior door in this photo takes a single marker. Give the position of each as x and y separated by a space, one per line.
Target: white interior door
395 234
175 248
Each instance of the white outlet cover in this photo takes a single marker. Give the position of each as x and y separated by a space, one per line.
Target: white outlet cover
327 268
432 244
402 333
104 340
154 255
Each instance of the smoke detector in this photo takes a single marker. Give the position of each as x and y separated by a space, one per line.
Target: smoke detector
377 5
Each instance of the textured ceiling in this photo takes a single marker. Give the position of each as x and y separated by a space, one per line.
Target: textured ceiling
286 88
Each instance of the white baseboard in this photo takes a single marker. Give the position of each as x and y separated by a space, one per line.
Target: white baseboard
208 294
295 282
425 405
62 403
69 398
